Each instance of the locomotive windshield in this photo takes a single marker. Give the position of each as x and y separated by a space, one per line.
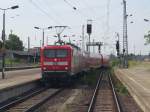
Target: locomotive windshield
61 53
51 53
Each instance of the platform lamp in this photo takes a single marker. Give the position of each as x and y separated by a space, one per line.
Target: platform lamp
43 30
3 38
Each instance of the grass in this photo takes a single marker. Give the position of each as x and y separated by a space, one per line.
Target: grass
14 62
115 62
139 63
133 63
9 61
119 87
90 77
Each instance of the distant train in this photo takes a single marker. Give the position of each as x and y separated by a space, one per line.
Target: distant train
65 61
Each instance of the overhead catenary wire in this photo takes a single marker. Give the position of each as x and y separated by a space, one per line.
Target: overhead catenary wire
106 31
85 16
46 3
44 12
88 7
107 20
70 3
91 10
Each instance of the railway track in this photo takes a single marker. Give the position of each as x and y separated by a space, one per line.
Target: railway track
104 98
30 102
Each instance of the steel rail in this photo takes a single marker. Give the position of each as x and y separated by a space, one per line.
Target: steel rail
36 106
114 94
91 106
21 99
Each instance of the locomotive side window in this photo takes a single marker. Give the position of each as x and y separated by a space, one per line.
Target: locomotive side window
61 53
49 53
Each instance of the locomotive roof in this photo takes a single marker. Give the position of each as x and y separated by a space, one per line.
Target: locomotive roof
69 46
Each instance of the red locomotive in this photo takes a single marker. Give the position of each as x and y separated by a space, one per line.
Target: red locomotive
65 61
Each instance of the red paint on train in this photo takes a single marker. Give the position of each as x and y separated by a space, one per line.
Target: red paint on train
67 60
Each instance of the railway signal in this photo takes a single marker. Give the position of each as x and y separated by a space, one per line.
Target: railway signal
118 45
89 31
118 48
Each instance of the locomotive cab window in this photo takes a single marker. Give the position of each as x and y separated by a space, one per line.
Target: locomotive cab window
61 53
49 53
52 53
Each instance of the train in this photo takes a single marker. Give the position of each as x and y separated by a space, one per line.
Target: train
62 62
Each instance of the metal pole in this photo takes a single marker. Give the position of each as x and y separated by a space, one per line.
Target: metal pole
28 49
99 49
59 39
28 43
43 39
3 47
11 31
40 43
89 42
134 49
69 40
34 56
125 37
93 46
83 38
47 41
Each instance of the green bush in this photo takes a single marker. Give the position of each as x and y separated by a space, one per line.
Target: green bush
119 87
115 62
133 63
90 78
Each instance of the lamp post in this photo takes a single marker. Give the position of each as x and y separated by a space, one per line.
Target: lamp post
43 30
3 38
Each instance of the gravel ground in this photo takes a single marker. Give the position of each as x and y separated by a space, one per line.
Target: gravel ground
55 104
71 100
128 104
77 100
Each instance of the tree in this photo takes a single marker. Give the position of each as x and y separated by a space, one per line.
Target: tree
147 38
14 43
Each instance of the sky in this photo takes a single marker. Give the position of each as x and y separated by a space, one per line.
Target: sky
106 16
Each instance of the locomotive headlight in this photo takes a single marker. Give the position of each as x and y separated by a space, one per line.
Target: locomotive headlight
66 68
44 68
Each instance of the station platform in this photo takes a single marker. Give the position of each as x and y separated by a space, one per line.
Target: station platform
137 81
17 77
